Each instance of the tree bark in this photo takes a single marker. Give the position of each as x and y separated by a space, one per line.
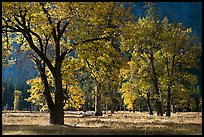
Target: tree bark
113 102
155 84
85 106
98 111
134 107
168 112
149 104
169 73
55 109
173 106
58 112
55 115
112 106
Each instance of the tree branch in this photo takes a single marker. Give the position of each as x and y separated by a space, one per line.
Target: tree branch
49 20
89 66
75 44
60 33
28 37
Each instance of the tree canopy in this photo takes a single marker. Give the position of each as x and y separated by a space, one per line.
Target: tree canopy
147 59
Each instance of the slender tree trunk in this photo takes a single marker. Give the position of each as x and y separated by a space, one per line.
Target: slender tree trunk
173 106
168 112
106 105
134 107
112 107
91 105
159 107
149 104
155 81
197 104
113 104
169 73
98 111
140 107
85 106
163 107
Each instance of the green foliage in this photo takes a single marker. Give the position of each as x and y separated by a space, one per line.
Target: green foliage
73 96
36 93
46 27
7 50
150 11
171 48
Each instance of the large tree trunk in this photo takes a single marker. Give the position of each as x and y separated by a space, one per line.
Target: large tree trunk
57 113
98 111
56 109
56 116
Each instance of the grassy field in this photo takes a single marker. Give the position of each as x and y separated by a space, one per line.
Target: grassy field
119 123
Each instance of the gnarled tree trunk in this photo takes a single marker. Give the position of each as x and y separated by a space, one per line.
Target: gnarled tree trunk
55 109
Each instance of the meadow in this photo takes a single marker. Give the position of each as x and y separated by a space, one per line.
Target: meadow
119 123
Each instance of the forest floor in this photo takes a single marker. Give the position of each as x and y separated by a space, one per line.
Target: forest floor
119 123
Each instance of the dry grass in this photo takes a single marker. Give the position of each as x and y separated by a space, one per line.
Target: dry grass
118 123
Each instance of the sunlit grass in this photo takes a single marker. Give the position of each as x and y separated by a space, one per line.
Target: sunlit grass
118 123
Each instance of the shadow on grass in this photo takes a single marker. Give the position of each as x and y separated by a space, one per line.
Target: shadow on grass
154 127
72 130
143 124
